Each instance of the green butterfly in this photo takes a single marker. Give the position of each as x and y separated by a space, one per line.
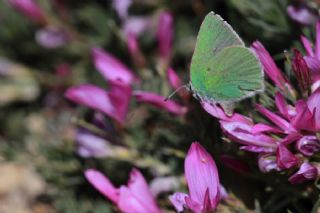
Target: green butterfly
223 71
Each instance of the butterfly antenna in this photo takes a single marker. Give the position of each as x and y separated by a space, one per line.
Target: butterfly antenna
186 86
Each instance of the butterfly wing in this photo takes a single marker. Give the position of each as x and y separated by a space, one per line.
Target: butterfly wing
234 73
222 69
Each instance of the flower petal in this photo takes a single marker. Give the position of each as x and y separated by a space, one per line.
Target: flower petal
285 159
302 15
161 185
308 145
129 203
159 101
261 128
140 190
282 105
304 118
136 25
102 184
267 163
52 37
258 149
178 201
111 68
270 66
165 34
307 46
201 174
317 45
313 65
90 145
194 205
30 9
306 172
114 103
217 112
314 106
122 7
174 79
241 133
277 120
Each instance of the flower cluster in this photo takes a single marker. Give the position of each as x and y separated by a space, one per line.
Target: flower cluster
201 173
289 137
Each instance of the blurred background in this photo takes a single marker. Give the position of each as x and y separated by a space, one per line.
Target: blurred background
46 51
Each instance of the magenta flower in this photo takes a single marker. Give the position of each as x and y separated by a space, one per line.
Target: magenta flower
270 67
289 126
90 145
313 55
133 198
302 14
134 50
111 68
133 45
113 103
174 79
122 7
165 35
313 104
136 25
308 145
30 9
285 159
203 182
306 172
302 72
242 130
267 163
159 102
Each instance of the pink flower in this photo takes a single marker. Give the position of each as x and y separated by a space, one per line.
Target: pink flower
217 112
291 125
306 172
203 182
121 7
30 9
242 133
302 72
267 163
134 50
111 68
308 145
270 66
133 45
90 145
285 159
174 79
302 14
314 106
277 120
52 37
133 198
165 34
242 130
313 55
136 25
113 103
159 102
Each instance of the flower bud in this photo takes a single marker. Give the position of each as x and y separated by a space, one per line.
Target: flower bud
301 70
308 145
